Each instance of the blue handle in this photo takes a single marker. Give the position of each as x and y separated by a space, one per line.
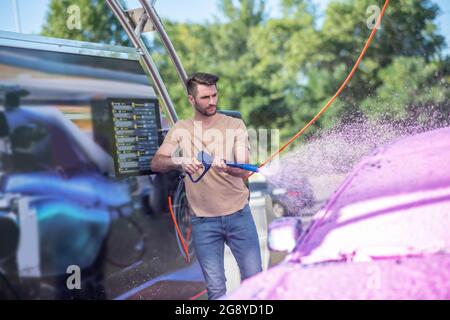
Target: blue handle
206 160
201 176
244 166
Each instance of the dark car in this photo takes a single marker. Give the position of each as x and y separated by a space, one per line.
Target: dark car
287 200
63 208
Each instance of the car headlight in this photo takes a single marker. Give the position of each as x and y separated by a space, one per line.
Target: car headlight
284 233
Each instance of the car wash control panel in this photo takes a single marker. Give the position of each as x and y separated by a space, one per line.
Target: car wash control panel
137 134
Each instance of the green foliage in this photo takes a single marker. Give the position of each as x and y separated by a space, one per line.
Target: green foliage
280 72
408 29
411 88
97 22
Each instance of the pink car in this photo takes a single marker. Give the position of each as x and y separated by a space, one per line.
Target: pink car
384 234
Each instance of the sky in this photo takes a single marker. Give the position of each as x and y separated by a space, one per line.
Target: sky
33 12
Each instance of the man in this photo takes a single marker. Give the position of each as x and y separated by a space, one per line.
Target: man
219 201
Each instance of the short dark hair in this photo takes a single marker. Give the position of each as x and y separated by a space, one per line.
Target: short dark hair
195 79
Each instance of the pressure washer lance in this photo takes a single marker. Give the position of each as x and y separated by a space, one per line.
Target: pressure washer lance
206 160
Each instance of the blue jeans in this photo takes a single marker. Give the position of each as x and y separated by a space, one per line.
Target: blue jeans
238 231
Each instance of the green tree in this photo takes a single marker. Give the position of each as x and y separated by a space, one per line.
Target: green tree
412 90
408 29
279 72
97 22
220 47
279 59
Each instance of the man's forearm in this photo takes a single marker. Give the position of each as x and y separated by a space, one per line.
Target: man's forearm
165 164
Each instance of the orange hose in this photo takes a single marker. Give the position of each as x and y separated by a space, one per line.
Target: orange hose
183 243
198 295
188 236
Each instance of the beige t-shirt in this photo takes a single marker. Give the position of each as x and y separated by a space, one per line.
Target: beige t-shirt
217 193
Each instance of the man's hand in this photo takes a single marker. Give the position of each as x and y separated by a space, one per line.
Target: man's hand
190 165
220 165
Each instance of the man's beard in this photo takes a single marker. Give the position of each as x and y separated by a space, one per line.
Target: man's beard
205 113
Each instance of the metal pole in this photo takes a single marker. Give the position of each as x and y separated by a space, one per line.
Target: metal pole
17 15
165 40
146 58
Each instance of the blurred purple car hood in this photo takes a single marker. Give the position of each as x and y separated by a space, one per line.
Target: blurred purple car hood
384 234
